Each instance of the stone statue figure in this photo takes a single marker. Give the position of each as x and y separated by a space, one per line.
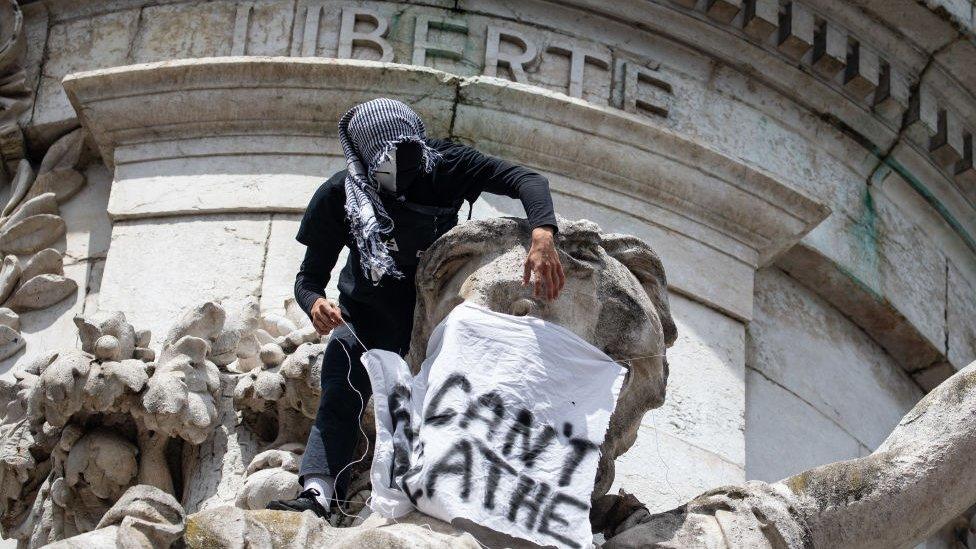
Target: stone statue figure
616 299
108 445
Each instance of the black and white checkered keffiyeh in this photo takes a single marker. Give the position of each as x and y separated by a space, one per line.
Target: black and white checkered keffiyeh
368 133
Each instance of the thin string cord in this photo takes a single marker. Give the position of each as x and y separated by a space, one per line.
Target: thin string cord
362 408
657 449
637 357
351 331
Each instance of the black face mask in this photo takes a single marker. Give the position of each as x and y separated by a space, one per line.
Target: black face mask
398 180
409 160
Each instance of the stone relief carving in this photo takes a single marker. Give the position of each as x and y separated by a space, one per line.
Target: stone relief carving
32 273
619 303
507 51
83 426
115 443
793 31
14 91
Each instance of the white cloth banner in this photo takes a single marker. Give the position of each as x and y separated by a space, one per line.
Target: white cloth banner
502 426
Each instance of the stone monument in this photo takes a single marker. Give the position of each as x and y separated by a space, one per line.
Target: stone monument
803 169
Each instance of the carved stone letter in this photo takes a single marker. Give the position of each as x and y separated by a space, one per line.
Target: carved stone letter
635 96
515 63
578 56
241 20
310 34
348 37
421 47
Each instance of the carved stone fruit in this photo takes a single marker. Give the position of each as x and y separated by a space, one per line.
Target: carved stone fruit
107 348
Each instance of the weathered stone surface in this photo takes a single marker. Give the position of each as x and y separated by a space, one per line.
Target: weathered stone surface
47 261
701 419
786 435
228 527
910 270
664 471
284 256
226 253
960 319
862 304
45 203
204 30
10 272
72 46
49 328
913 480
31 234
40 292
849 379
9 318
15 92
271 475
706 390
144 517
89 228
11 341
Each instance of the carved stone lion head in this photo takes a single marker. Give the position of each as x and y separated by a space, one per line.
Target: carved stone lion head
615 298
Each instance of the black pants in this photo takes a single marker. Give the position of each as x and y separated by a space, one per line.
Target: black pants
345 384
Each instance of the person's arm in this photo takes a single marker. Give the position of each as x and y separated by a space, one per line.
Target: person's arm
323 231
313 276
496 176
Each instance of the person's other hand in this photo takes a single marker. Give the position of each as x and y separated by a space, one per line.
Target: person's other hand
325 315
543 262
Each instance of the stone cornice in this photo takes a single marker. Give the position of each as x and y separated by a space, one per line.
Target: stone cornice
147 115
639 159
924 99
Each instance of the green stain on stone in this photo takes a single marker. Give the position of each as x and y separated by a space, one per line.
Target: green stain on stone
866 235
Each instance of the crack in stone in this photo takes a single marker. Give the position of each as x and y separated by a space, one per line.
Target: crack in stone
45 55
259 292
454 106
945 310
129 56
916 89
808 403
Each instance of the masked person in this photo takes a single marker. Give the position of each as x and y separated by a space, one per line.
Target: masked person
399 193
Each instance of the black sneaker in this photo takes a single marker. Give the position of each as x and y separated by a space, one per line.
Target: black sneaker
305 501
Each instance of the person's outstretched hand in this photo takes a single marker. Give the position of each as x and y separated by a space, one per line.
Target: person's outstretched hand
543 262
325 315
